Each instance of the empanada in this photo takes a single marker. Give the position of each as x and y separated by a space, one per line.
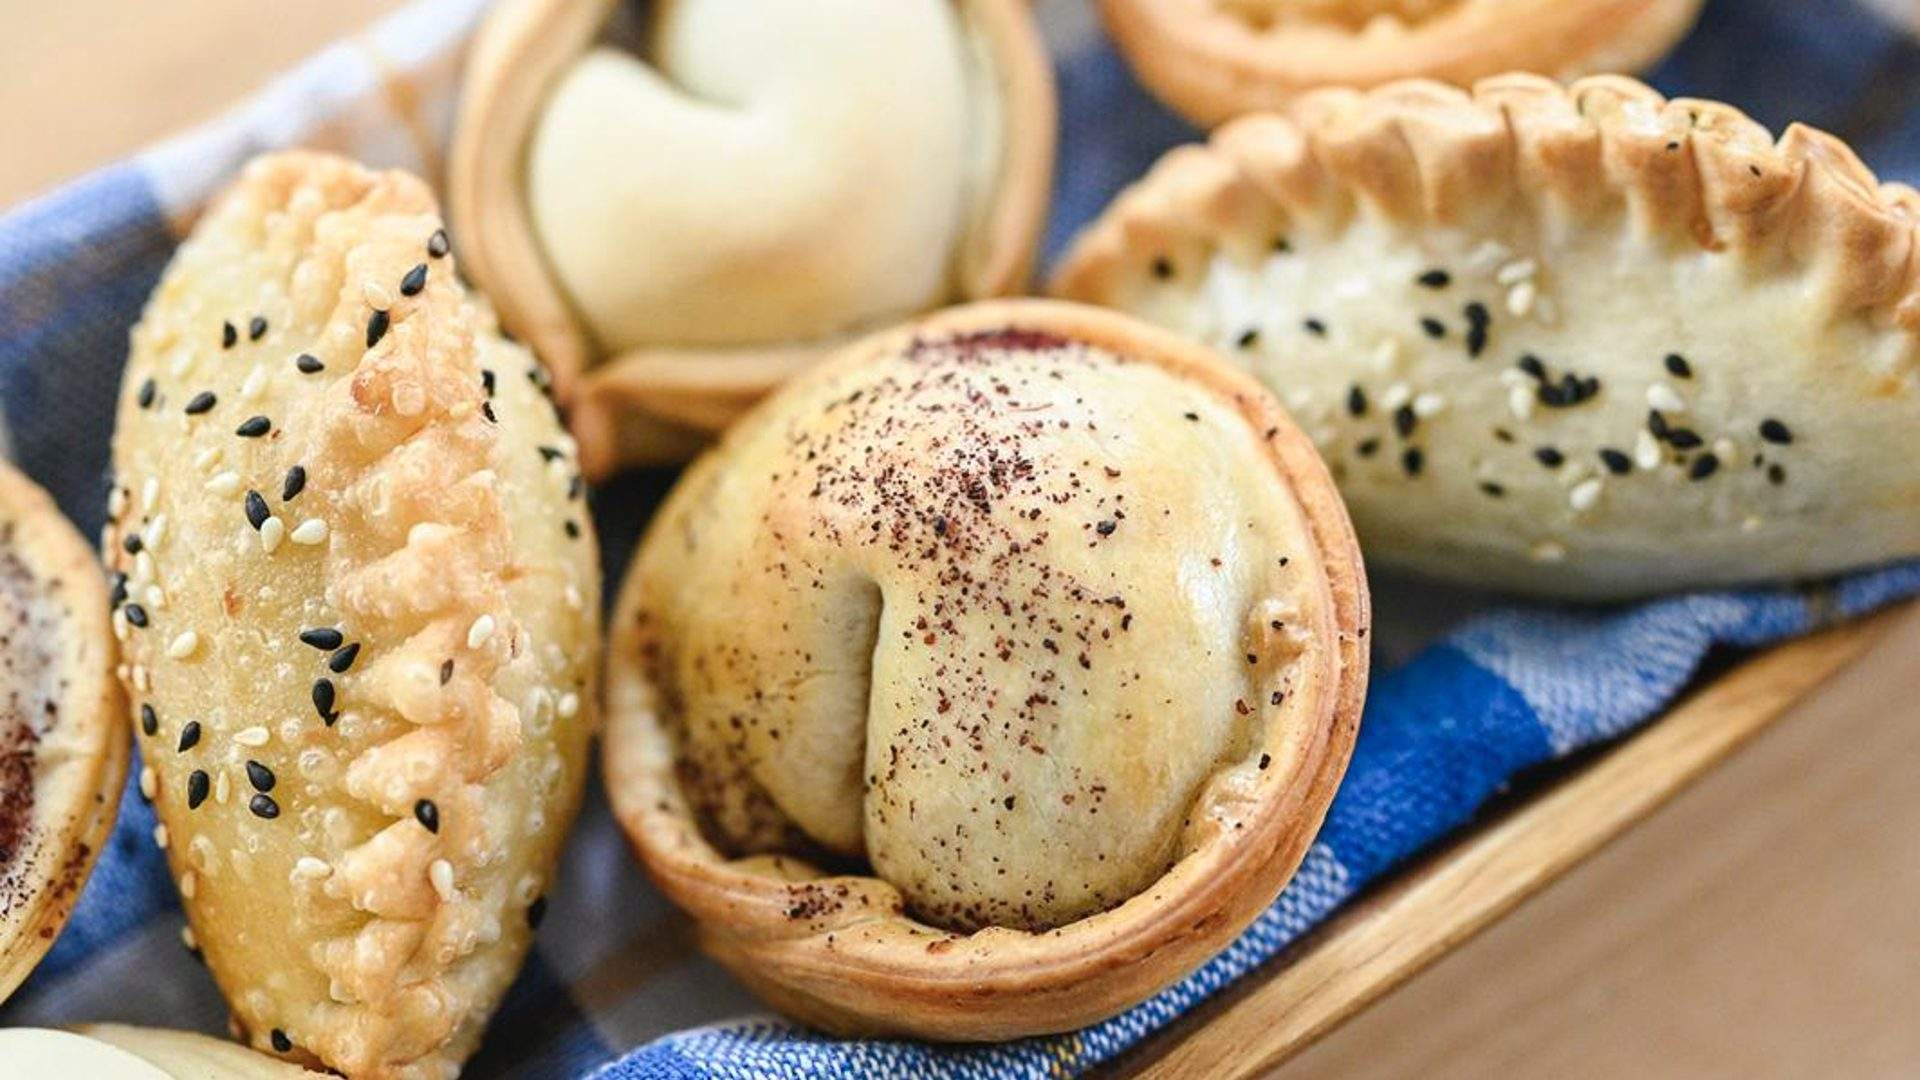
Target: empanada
989 677
358 607
1580 342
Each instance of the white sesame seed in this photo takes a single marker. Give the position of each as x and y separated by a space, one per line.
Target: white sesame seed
569 706
1726 448
257 735
1396 395
224 483
480 631
160 836
1517 271
116 501
309 532
207 459
1646 450
308 868
376 294
1584 494
222 787
149 784
141 681
1387 354
272 531
183 645
156 597
574 600
1428 404
156 533
256 381
187 938
120 630
1521 298
1547 551
180 363
143 568
150 494
1520 402
1488 255
440 874
189 884
1663 397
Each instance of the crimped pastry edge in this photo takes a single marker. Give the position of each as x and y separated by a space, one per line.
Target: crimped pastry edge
1606 152
878 971
1210 65
69 830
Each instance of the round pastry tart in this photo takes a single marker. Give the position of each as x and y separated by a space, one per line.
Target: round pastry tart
358 601
989 677
678 226
1577 341
1215 59
63 740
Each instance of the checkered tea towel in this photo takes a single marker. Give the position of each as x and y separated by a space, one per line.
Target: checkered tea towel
1465 694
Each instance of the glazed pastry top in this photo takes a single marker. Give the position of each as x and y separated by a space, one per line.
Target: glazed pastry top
770 171
990 610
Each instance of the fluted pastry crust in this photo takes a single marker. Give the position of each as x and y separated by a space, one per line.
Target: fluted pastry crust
63 743
1584 342
532 146
360 592
1216 59
1051 620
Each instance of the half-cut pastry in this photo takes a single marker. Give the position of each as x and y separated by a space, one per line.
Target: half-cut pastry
990 677
63 739
1581 342
681 225
356 596
123 1052
1216 59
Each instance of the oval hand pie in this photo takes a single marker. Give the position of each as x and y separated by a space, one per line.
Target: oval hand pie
747 186
1215 59
990 677
358 614
63 743
1584 342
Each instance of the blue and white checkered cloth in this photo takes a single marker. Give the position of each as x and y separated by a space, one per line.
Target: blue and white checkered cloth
614 981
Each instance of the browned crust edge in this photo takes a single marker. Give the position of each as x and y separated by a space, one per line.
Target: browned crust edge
1210 64
875 971
77 828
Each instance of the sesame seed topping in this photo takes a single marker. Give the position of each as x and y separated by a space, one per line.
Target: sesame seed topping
308 364
480 631
1616 462
1549 456
160 836
1413 460
1703 466
183 645
446 672
1366 448
281 1044
1663 397
131 543
201 402
1477 319
136 615
377 324
149 783
440 875
1775 432
1315 327
427 814
253 427
487 381
199 786
225 482
189 737
149 720
228 335
271 533
306 867
437 243
1433 327
1776 475
1585 494
1404 420
1678 367
340 661
1684 439
1492 489
146 395
309 532
1356 401
264 807
324 638
1533 366
415 280
294 484
256 509
257 735
260 776
569 705
1162 267
256 328
1435 279
323 700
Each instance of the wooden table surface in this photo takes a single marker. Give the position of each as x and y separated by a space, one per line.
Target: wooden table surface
1766 923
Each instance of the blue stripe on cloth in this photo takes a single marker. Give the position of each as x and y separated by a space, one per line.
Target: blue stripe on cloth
75 269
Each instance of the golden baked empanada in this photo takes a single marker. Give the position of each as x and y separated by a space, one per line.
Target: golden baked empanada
989 677
1583 342
63 739
358 613
1216 59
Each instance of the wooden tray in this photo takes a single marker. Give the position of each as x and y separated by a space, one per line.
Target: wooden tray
1528 841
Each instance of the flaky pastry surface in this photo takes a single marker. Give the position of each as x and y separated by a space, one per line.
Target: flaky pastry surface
1583 342
359 593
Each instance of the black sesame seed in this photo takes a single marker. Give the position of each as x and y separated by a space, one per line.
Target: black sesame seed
294 484
415 280
1531 364
549 453
1106 527
1162 268
256 328
281 1044
486 410
147 392
487 381
1657 424
1549 456
1193 416
228 335
1775 432
259 776
1503 434
1552 395
1247 338
446 672
1616 462
427 814
137 615
1404 421
1413 460
1776 474
149 720
340 661
376 328
1356 401
437 243
1492 489
323 697
1684 438
1315 327
1477 320
1281 243
324 638
576 487
1678 367
256 508
132 544
118 595
1434 327
200 403
308 364
189 737
254 427
1703 466
198 785
263 806
536 911
573 529
1366 448
1435 279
